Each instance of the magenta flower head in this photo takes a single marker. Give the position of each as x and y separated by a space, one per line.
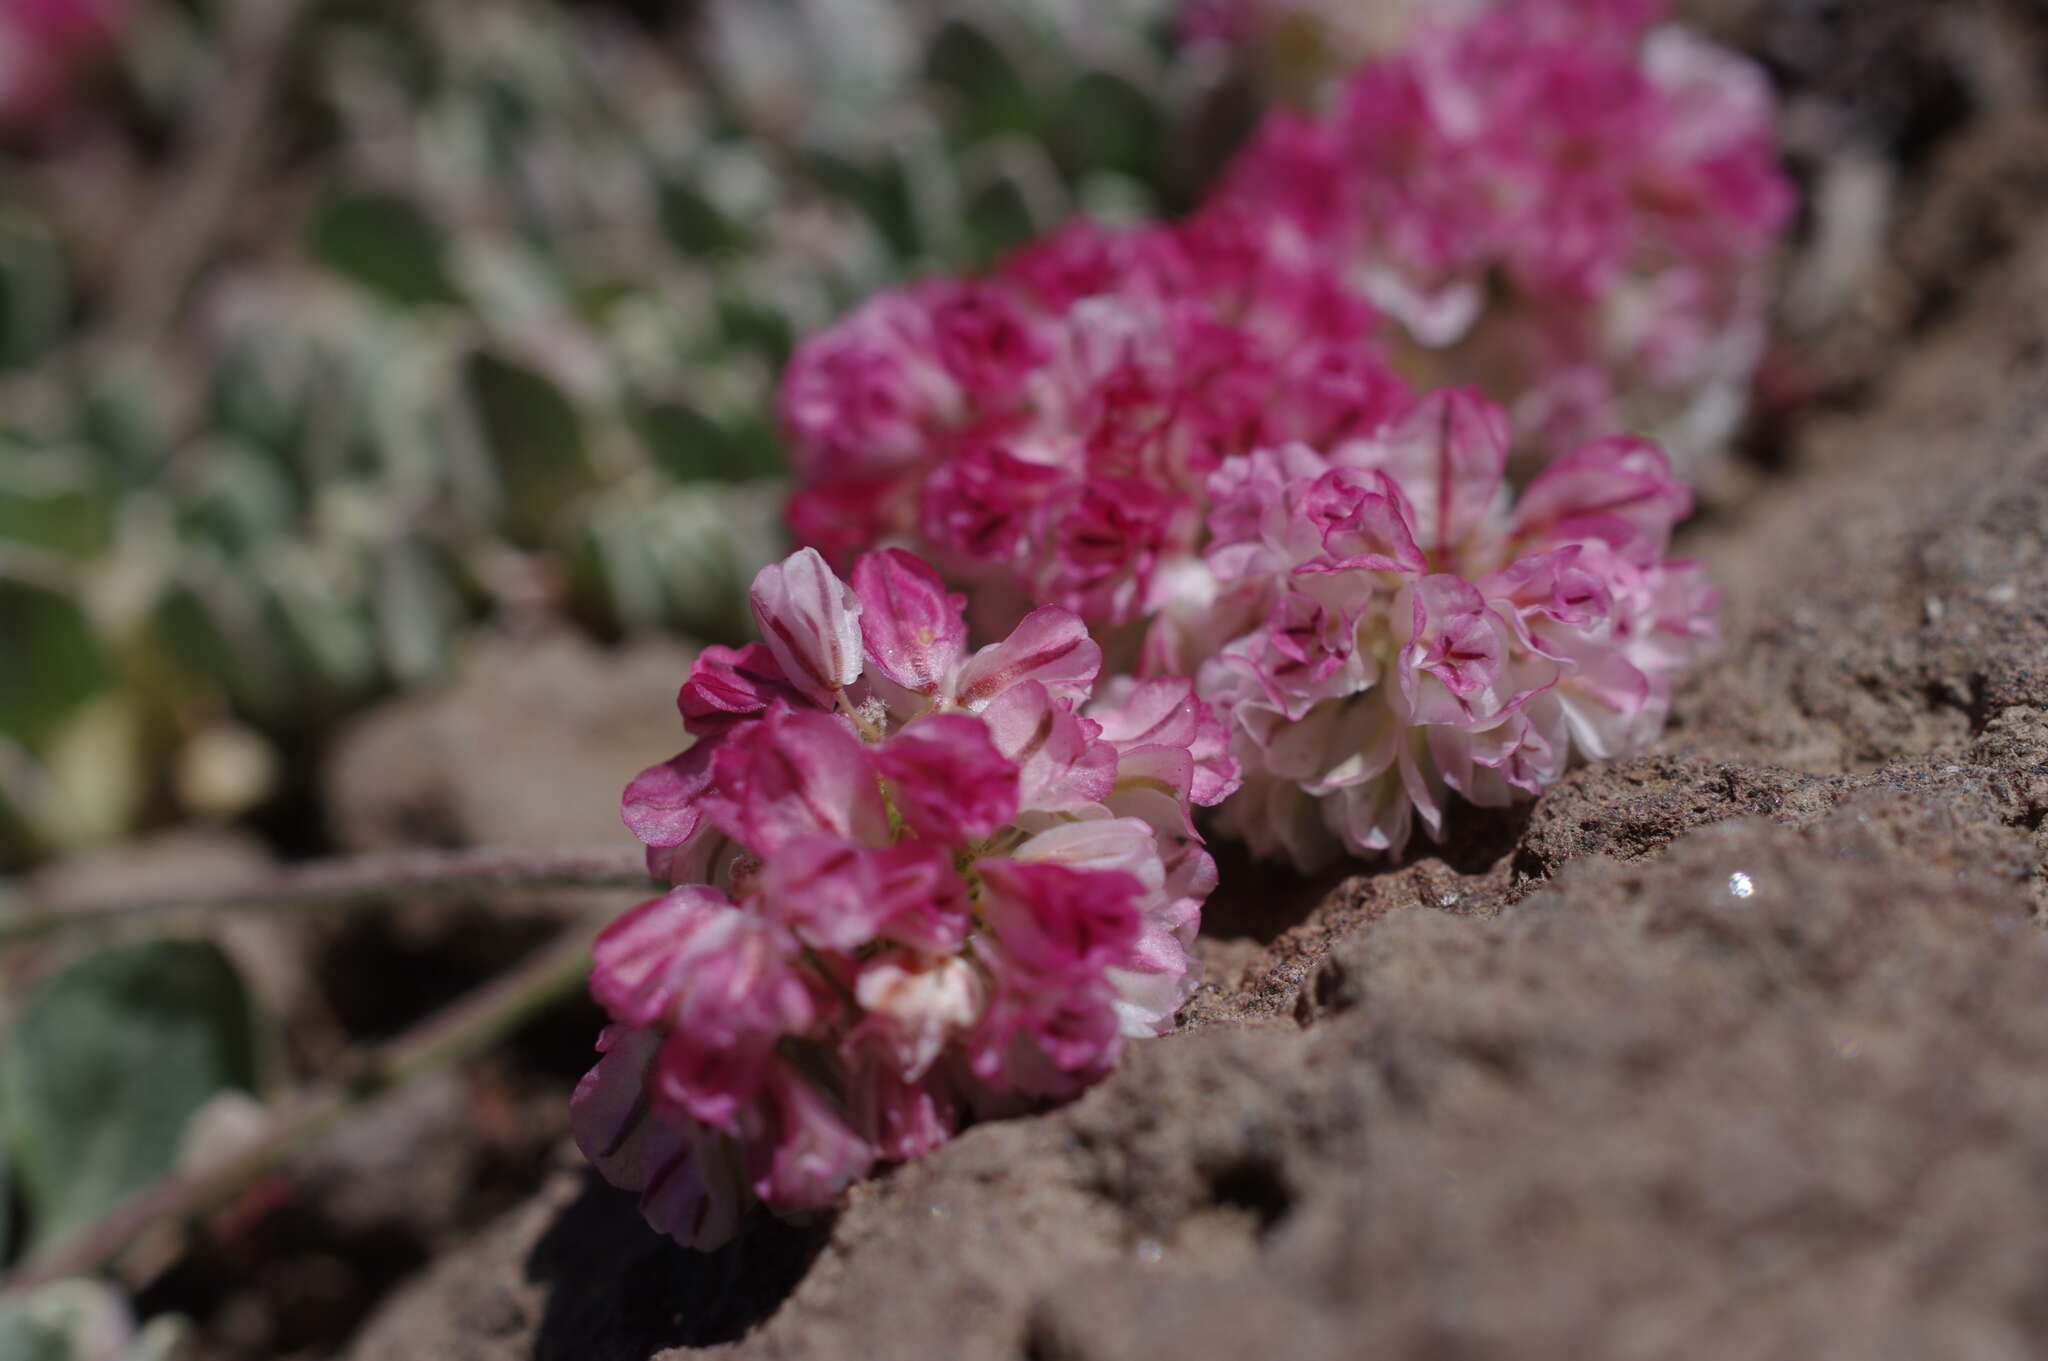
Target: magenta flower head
914 885
1557 199
44 44
1044 433
1382 628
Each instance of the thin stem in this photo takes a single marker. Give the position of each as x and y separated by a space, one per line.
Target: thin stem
342 881
465 1028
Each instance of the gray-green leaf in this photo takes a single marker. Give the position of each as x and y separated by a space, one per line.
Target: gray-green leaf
107 1062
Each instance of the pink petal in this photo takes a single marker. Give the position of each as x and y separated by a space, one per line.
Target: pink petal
796 773
1455 655
1162 711
691 1187
662 805
692 960
807 1155
824 890
641 963
1050 646
1447 454
610 1103
727 685
811 623
1053 920
712 1083
914 632
902 1120
1062 765
948 780
1362 523
1619 491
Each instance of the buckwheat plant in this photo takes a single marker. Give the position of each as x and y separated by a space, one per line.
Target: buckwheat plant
1563 200
1383 627
1044 433
913 885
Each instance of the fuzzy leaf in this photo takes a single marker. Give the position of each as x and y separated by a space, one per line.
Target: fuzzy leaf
992 95
386 244
536 441
56 660
108 1061
56 499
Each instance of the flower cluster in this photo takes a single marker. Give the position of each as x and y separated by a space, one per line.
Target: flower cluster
1044 433
1382 629
1560 200
42 43
913 885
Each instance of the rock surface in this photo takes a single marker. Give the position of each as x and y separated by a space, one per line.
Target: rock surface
1730 1050
456 767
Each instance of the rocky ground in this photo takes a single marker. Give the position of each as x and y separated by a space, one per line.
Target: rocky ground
1731 1050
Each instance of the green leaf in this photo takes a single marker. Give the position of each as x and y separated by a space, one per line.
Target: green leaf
879 193
56 499
56 661
999 219
209 624
695 225
386 244
241 497
685 443
1107 123
322 627
108 1061
35 302
81 1319
535 437
32 1330
991 95
748 324
418 611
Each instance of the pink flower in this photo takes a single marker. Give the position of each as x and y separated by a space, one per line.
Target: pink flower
1044 432
914 635
690 1186
917 883
693 961
947 779
811 622
795 773
44 45
1578 207
1386 629
806 1154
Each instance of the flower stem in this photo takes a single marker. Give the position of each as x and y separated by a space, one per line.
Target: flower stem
464 1028
341 882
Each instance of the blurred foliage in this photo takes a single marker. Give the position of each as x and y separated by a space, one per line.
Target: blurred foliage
106 1062
85 1320
485 325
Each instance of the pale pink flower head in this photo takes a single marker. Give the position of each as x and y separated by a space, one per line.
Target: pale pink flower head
1389 628
914 884
1568 203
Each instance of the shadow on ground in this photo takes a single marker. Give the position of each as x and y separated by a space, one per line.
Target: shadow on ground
614 1290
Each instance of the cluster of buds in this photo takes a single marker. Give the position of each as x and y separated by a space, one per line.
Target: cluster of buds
1044 433
1382 628
914 885
1558 199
